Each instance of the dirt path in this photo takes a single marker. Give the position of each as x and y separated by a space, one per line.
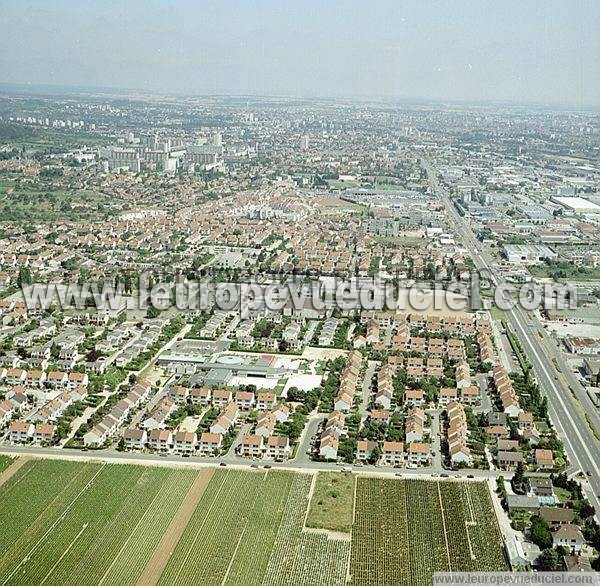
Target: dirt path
157 563
13 468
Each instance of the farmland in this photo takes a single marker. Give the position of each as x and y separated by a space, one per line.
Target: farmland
106 524
411 529
332 502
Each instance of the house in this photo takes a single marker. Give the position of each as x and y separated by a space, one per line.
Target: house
520 502
497 431
20 431
200 395
392 453
328 446
447 395
77 379
415 398
542 489
415 421
544 458
244 400
278 448
569 536
265 401
135 439
178 394
364 449
507 460
160 440
556 516
221 397
460 454
15 376
343 401
57 379
44 433
470 395
184 442
281 413
210 443
419 453
35 379
525 421
7 410
226 420
576 563
95 437
507 445
266 424
251 446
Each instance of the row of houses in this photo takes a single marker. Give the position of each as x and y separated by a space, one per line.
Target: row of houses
14 403
245 400
329 441
54 409
457 435
506 392
40 379
165 440
348 381
274 447
395 453
118 414
25 432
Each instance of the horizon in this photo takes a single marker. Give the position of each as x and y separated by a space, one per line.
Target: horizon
483 53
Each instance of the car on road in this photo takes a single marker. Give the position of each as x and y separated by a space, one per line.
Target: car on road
223 464
470 476
444 475
253 465
268 466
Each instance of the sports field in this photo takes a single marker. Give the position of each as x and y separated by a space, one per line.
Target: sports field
74 523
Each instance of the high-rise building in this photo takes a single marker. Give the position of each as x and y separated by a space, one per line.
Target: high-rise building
304 142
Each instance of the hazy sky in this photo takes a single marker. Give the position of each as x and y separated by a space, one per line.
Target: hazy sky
527 50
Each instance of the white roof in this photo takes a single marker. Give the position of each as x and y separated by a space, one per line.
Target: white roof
577 203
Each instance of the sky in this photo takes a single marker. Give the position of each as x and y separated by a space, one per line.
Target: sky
530 51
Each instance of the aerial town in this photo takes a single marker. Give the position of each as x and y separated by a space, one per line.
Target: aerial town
102 190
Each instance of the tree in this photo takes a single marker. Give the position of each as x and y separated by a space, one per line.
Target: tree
548 560
540 533
518 478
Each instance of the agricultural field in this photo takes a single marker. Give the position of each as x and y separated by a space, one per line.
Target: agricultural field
66 522
332 502
405 530
5 462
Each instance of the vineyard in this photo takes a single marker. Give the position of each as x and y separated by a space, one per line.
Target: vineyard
68 523
5 462
405 530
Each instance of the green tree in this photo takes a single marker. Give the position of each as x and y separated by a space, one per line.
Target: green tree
548 560
540 533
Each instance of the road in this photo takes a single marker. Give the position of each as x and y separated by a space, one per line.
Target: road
568 417
111 455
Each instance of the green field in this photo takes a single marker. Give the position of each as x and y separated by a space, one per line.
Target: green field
72 523
405 530
332 502
5 462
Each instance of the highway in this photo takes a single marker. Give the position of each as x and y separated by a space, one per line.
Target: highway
583 449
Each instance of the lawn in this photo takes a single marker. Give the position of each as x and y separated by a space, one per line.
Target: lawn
332 502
